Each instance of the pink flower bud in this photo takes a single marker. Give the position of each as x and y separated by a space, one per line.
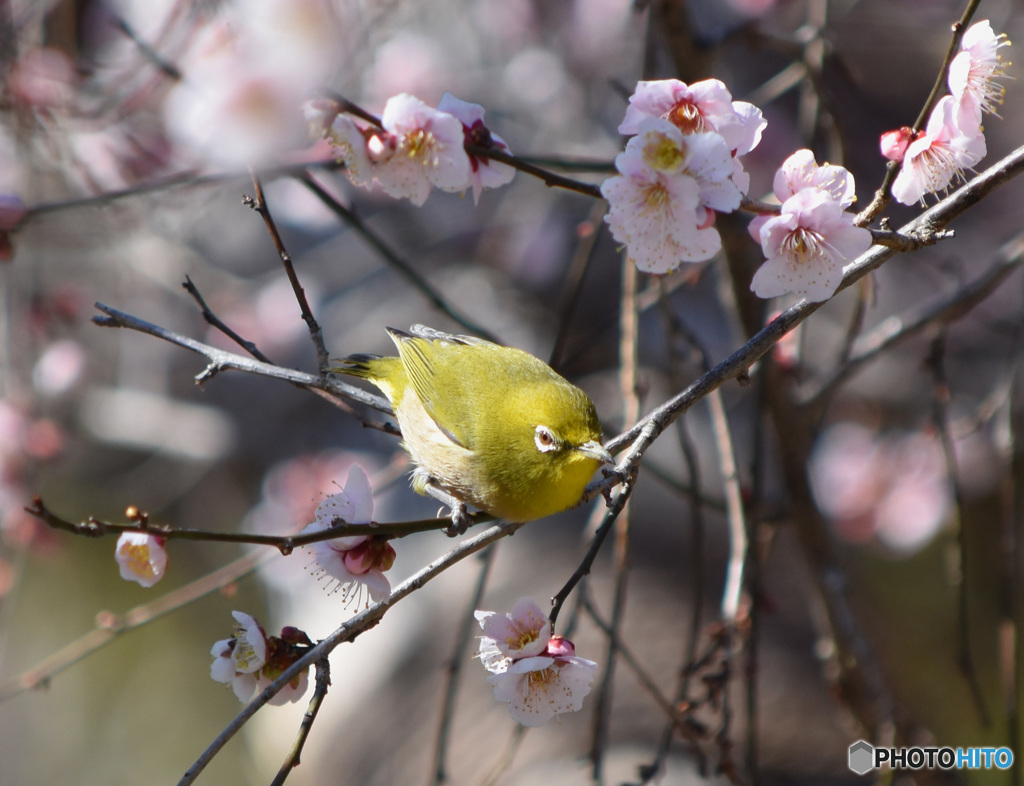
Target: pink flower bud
894 143
560 647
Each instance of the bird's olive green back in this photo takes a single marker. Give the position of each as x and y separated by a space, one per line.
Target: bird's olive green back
477 388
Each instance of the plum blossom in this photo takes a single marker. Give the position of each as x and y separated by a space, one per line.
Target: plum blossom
250 660
538 675
141 557
662 202
972 75
428 150
801 171
892 488
416 148
353 563
484 173
943 151
237 661
697 108
807 245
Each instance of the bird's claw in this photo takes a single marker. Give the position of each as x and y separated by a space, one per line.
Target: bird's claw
461 521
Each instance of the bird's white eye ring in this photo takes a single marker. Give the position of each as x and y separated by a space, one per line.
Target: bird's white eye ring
544 439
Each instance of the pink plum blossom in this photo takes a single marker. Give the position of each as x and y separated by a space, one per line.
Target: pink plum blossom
245 75
662 202
536 674
696 108
428 150
938 155
484 173
237 661
355 562
890 488
417 148
972 75
141 557
807 245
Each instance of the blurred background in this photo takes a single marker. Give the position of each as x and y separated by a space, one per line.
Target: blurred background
126 130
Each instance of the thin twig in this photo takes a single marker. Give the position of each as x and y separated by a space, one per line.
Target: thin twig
220 360
286 544
550 179
940 418
733 591
649 684
190 178
323 682
215 321
458 660
629 341
581 259
259 204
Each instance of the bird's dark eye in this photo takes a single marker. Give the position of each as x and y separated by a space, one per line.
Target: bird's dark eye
544 439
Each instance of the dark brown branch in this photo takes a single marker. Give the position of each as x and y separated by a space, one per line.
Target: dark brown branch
96 528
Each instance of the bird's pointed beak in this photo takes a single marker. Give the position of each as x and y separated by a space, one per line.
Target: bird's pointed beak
596 451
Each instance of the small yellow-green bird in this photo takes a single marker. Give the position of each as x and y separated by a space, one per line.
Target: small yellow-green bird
486 425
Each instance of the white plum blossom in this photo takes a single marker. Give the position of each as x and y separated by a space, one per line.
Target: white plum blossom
938 155
807 245
697 108
428 150
972 75
141 557
662 202
415 149
801 171
237 661
250 660
355 562
484 173
536 674
522 632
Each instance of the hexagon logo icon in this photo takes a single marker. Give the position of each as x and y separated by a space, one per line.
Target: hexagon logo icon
862 757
